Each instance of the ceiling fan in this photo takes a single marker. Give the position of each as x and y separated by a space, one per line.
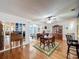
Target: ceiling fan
50 19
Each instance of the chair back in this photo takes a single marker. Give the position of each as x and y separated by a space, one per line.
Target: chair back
69 38
41 36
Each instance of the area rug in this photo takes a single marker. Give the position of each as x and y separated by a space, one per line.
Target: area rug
47 51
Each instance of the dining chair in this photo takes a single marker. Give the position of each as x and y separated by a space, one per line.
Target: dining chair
52 41
44 41
38 35
72 43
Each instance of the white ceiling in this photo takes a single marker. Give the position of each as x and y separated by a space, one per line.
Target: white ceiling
39 9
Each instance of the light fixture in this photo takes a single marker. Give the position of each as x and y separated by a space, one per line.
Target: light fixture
73 9
49 19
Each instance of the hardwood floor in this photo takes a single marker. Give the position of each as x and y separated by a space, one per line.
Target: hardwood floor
29 52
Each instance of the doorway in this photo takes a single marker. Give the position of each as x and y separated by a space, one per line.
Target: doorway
33 29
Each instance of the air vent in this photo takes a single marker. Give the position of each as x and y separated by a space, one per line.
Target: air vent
78 15
73 9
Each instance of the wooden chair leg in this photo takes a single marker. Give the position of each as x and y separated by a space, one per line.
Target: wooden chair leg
48 44
16 43
68 51
44 46
77 51
21 43
52 44
40 43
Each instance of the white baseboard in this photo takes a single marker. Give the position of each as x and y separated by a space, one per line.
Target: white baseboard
12 48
